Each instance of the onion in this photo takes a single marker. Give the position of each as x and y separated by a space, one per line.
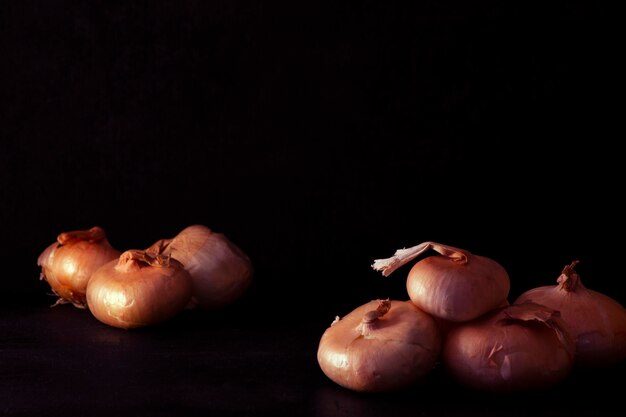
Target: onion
380 346
521 347
220 271
67 264
138 290
455 286
597 322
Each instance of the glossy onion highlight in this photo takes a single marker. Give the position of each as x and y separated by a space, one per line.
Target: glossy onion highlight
68 264
138 290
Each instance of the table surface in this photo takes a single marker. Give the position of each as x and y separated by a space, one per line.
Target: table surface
62 361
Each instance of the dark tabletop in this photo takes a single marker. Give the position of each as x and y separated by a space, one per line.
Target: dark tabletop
62 361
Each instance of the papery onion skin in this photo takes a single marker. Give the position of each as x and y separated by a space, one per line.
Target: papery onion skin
138 290
596 321
400 348
220 271
457 291
68 264
507 352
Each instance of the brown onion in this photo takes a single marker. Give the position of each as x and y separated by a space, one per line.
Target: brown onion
455 286
517 348
138 290
67 264
380 346
220 271
597 322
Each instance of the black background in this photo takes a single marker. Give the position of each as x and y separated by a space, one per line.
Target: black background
318 137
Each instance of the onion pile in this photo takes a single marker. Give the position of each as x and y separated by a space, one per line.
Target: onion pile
597 322
141 288
487 344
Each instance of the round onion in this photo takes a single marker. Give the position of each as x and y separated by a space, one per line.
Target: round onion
455 286
521 347
380 346
597 322
67 264
220 271
138 290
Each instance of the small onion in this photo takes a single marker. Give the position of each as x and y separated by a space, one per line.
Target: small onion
597 322
380 346
521 347
456 285
67 264
138 290
220 271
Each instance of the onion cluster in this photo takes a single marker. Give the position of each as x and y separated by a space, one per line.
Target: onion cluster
139 288
460 317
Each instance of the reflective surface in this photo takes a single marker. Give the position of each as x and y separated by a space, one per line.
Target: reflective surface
62 361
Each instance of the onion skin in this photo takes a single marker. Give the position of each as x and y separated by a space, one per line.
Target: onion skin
68 264
138 290
596 321
220 271
456 286
522 347
391 352
457 291
445 326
